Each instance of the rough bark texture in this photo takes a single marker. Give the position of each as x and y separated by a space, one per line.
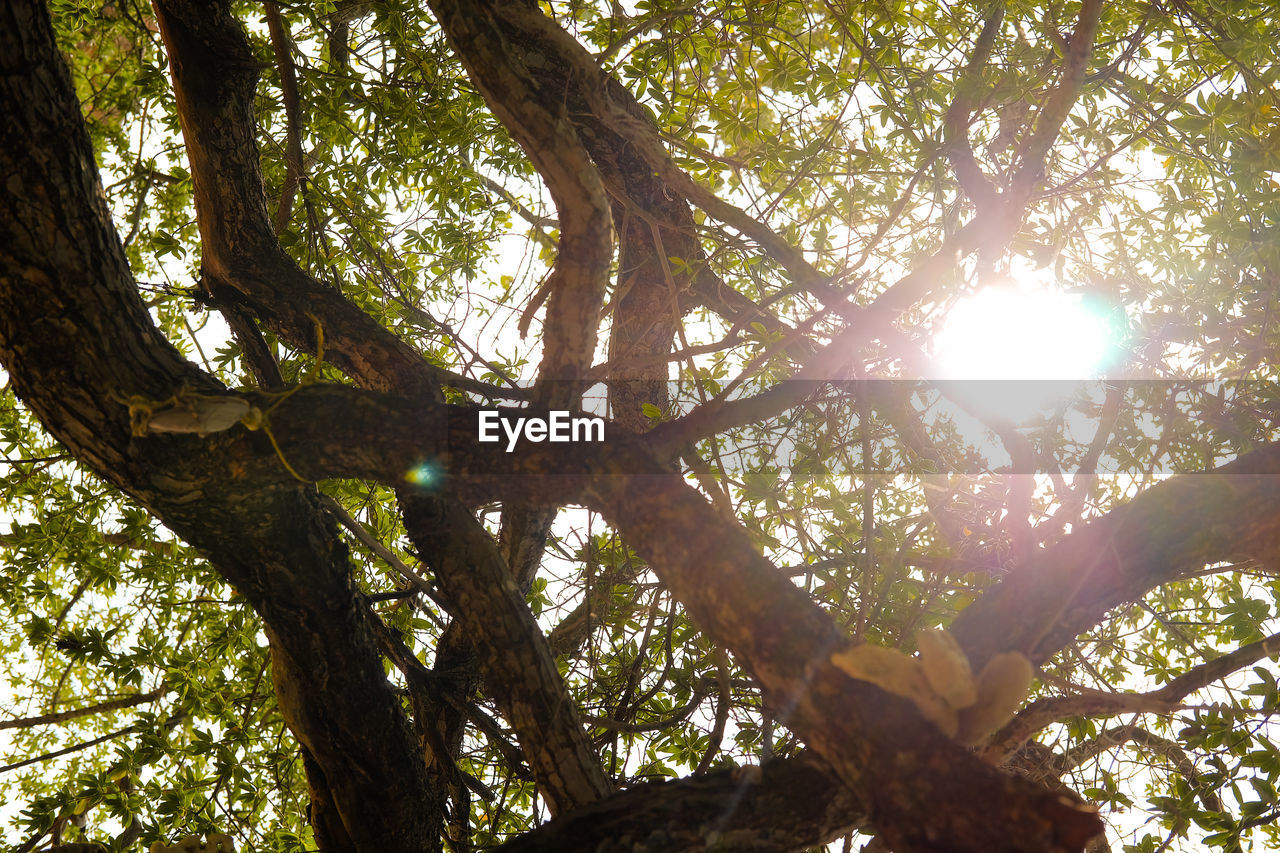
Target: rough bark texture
515 661
78 343
653 220
577 282
242 263
785 805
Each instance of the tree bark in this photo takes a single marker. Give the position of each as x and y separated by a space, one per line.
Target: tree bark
79 345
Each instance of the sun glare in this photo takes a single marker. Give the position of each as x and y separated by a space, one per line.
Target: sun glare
1011 332
1020 348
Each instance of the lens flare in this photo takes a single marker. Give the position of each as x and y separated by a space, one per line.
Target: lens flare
1021 349
1017 333
425 475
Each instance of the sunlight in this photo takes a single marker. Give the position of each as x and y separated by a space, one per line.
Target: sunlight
1026 333
1018 346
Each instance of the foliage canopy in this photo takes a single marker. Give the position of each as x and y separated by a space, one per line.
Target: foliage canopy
261 264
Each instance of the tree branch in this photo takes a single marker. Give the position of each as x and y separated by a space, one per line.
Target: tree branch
1043 712
517 666
282 45
578 280
976 185
1172 529
214 79
1030 159
78 342
77 713
793 803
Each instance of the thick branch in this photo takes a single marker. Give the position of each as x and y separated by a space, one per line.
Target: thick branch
1075 66
622 137
793 803
282 45
214 79
776 631
1168 531
652 222
517 666
969 174
708 563
77 342
581 270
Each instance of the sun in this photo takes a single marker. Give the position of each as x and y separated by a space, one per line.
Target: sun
1023 332
1022 348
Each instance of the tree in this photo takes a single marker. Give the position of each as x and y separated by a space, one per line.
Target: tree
266 580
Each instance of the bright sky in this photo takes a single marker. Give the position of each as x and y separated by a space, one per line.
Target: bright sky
1023 331
1025 343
